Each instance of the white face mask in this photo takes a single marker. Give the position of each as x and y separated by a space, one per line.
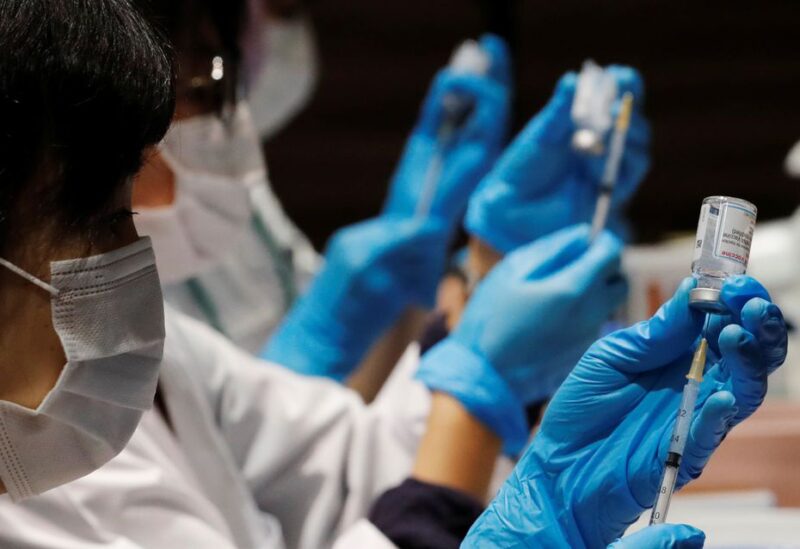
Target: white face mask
792 162
109 314
215 166
284 83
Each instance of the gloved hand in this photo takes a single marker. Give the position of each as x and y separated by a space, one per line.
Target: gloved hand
597 460
526 326
373 271
466 156
376 269
663 536
540 184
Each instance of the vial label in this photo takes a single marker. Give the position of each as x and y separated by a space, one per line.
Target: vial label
724 233
736 234
706 229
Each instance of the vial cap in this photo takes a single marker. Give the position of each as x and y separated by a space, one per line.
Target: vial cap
707 300
470 58
589 141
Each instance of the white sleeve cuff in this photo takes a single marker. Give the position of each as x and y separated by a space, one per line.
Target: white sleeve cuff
363 534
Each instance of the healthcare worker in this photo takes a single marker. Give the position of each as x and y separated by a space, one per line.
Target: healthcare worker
80 302
222 240
227 252
237 452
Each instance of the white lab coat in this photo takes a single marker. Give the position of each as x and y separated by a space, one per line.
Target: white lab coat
258 457
247 294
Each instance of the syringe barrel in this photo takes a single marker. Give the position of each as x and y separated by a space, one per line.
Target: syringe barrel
611 168
684 420
665 490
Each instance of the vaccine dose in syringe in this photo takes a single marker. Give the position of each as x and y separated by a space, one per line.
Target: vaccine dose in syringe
722 248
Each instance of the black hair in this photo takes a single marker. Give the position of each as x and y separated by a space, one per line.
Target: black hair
179 16
183 20
85 87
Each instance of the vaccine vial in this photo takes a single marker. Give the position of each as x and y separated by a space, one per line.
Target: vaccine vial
468 59
595 93
722 248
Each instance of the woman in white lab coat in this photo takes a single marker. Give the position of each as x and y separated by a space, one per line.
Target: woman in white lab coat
229 255
81 310
227 252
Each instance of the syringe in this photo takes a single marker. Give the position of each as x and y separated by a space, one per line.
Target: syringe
612 165
680 433
469 58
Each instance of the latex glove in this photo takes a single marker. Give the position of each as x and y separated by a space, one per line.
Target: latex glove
526 326
468 154
541 184
663 536
597 460
373 271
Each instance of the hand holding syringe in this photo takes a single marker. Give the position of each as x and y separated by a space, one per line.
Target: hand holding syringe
469 58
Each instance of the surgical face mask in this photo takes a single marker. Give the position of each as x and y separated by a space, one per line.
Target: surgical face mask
792 162
283 84
108 312
215 164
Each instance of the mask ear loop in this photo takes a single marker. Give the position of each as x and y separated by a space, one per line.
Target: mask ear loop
52 290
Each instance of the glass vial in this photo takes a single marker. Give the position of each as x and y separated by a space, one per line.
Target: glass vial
595 93
722 248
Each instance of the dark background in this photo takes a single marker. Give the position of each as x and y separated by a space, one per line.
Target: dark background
723 96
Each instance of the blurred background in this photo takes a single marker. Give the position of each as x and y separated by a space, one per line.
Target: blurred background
723 96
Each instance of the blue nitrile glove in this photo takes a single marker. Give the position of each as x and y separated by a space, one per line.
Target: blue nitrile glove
468 154
597 460
373 271
663 536
526 326
541 184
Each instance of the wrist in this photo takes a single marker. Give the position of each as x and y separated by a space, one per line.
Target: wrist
482 257
489 224
451 368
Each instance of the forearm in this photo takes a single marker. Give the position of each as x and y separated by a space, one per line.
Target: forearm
457 451
446 494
